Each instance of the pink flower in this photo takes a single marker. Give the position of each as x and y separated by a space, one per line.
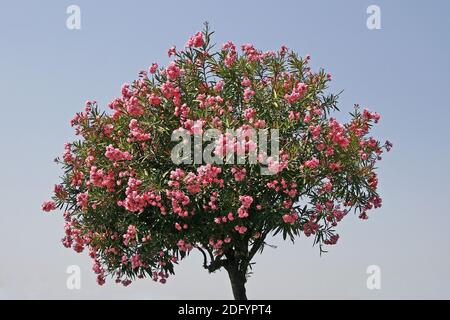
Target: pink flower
248 94
246 201
290 218
229 59
328 186
313 163
169 90
197 128
115 154
196 40
184 246
239 173
136 133
249 113
182 111
136 261
298 92
108 129
241 229
310 228
242 213
130 235
59 191
216 244
99 178
315 131
126 282
172 51
294 115
136 201
134 108
101 279
371 115
97 268
219 85
82 199
153 68
283 50
154 100
246 82
307 118
332 240
48 206
259 123
274 166
337 133
231 55
173 71
251 53
287 204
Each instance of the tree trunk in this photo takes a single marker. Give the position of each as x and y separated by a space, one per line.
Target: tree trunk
238 281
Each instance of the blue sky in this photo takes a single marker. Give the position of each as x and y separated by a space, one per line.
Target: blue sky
401 71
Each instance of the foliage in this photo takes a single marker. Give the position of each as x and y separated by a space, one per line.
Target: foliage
138 213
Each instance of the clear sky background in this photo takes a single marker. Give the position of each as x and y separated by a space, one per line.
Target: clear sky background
401 71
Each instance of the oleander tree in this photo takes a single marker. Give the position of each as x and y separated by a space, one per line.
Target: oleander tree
139 213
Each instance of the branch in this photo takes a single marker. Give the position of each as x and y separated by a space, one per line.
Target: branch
211 256
257 244
205 260
215 263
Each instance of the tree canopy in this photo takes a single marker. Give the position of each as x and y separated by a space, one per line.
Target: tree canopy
139 213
